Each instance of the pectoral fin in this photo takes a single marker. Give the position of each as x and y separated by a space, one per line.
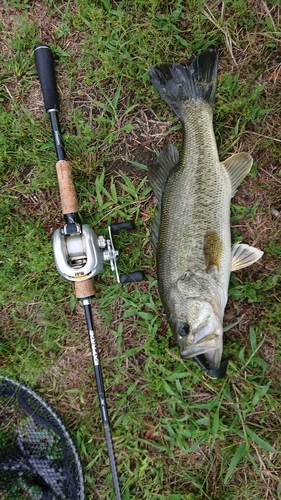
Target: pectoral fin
212 249
237 166
243 255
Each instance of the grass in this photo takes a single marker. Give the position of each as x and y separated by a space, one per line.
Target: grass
177 433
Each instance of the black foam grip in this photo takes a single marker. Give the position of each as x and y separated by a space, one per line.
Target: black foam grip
132 277
46 71
128 226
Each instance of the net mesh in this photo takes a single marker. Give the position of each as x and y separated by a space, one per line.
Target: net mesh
38 459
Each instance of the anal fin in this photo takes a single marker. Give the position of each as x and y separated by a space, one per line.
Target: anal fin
237 166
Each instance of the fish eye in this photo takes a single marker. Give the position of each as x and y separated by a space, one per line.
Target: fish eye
184 330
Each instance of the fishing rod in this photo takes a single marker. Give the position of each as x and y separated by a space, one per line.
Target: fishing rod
78 252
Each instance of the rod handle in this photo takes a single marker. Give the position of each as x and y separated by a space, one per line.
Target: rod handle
68 195
46 72
84 289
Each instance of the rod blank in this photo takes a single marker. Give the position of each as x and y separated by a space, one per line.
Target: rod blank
101 394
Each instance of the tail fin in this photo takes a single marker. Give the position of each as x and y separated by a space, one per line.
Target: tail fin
176 83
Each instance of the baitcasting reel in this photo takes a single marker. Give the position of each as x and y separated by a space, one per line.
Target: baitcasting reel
80 254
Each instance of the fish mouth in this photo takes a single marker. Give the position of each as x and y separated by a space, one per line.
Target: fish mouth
217 373
196 350
210 346
213 356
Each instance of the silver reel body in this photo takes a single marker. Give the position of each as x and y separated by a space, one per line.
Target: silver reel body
81 255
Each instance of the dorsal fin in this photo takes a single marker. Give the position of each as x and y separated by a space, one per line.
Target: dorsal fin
237 166
154 230
159 172
158 175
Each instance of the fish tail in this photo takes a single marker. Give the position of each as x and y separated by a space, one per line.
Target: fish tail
177 83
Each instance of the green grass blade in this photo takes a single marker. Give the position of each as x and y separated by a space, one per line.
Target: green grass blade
138 165
117 95
259 441
235 460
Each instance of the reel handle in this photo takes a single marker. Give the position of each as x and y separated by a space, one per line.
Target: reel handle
46 71
132 277
128 225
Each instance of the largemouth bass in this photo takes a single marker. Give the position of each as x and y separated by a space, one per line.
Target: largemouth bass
191 232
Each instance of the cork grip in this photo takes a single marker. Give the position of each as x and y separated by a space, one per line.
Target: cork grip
84 289
68 196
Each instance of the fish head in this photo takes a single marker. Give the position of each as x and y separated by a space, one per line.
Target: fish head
196 305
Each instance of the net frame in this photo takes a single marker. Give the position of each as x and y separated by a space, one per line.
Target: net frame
38 458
